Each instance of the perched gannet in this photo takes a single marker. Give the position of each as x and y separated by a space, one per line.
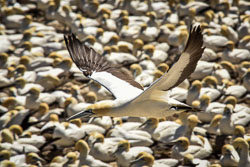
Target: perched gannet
85 158
125 154
182 146
135 137
229 156
214 125
242 148
102 148
189 160
143 159
130 98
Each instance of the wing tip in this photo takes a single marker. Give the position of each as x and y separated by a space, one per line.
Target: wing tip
195 40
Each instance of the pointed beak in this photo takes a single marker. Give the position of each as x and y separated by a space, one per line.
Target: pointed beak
143 124
135 161
86 113
40 159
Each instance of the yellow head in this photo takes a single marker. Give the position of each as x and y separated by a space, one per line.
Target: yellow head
10 103
43 108
3 58
188 159
196 85
124 48
231 100
157 74
239 131
90 39
53 118
32 158
138 43
136 68
239 143
149 49
123 145
97 137
70 100
107 49
227 149
146 159
77 122
8 163
210 81
7 136
183 142
20 82
163 67
228 66
35 92
193 120
216 119
5 154
230 45
16 129
72 157
90 97
82 147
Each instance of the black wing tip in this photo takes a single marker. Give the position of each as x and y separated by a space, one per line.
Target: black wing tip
195 39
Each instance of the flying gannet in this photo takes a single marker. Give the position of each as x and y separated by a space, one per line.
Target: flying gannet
130 97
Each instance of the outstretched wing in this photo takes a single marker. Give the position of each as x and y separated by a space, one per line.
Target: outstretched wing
97 68
181 69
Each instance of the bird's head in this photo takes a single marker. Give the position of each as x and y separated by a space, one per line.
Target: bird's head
227 149
239 131
230 100
83 147
16 129
72 157
183 142
151 122
94 110
193 120
239 143
77 122
123 145
33 158
215 121
96 137
5 155
143 159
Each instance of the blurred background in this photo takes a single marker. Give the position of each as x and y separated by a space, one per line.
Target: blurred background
40 86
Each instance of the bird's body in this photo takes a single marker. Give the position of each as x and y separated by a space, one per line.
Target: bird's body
131 99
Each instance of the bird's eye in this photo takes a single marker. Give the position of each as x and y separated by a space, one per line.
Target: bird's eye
173 108
88 111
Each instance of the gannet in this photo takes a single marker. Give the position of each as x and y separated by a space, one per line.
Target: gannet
131 99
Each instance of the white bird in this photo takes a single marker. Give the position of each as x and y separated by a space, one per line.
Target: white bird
135 137
85 158
125 154
242 148
230 157
183 147
130 97
102 148
226 123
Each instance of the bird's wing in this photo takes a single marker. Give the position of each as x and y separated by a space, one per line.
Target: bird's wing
180 70
97 68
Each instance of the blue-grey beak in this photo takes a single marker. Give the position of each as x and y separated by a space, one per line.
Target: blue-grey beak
85 113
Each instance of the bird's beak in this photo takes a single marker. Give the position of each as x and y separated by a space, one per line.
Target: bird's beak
86 113
40 159
173 142
143 124
135 161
